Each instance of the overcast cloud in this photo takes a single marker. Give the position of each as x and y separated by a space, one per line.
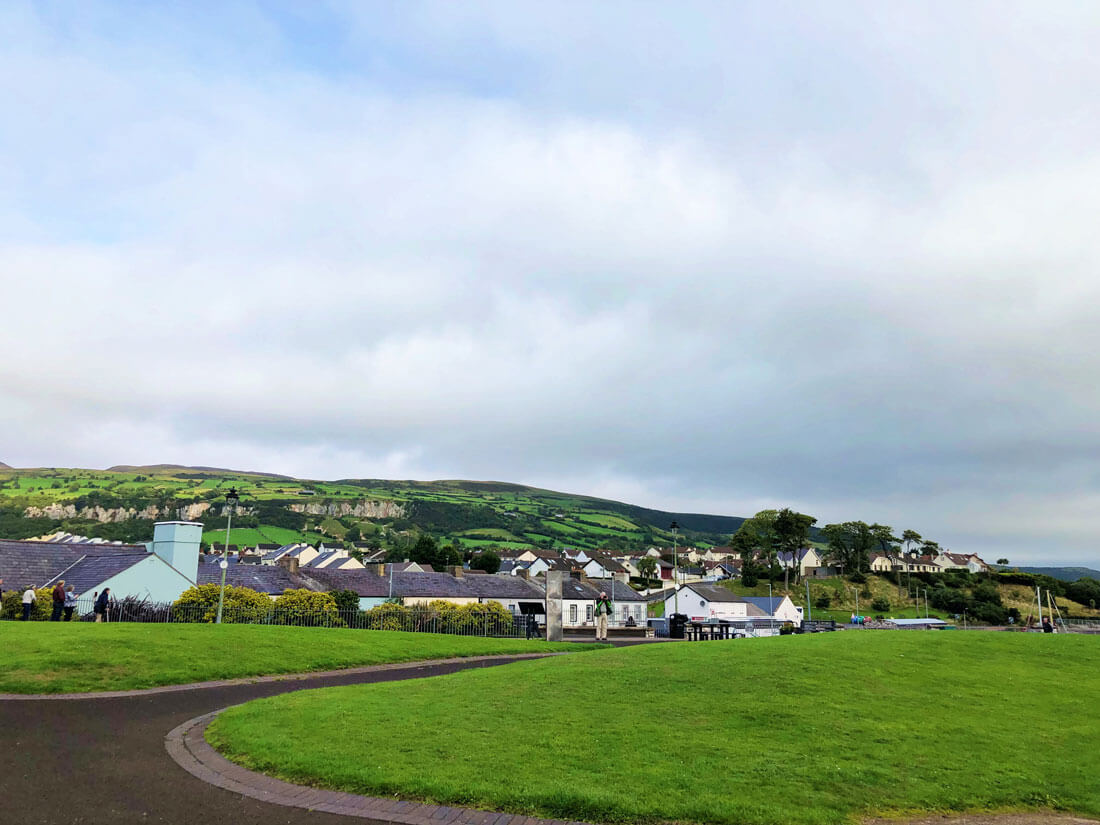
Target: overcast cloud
710 257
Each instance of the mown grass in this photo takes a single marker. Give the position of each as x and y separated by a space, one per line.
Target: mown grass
806 730
44 657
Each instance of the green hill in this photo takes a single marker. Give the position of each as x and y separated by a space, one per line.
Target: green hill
122 503
1066 574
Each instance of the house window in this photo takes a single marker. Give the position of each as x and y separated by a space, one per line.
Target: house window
572 614
588 612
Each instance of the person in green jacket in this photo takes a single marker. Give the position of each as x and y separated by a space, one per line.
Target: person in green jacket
603 610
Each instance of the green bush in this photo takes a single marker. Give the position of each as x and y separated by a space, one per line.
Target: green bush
13 604
346 600
823 601
858 578
881 604
242 604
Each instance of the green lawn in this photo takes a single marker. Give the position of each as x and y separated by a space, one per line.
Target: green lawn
43 657
806 729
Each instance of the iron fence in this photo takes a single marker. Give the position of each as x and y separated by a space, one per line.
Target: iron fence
462 621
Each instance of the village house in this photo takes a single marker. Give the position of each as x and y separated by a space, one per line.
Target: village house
703 602
579 603
602 567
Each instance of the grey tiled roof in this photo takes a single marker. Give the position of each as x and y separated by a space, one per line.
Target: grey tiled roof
715 593
270 579
590 589
33 563
503 587
95 569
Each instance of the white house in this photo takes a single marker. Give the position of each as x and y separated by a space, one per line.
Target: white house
702 602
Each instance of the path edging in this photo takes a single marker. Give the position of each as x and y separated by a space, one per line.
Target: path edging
187 745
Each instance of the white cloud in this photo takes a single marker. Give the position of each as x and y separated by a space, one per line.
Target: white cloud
340 274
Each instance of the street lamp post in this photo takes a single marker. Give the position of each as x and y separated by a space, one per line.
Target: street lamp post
231 499
675 569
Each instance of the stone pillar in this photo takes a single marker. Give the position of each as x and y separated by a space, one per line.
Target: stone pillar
553 605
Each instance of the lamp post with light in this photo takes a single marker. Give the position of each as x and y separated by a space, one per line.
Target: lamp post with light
231 499
675 570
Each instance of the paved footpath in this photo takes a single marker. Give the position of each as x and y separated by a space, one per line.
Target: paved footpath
103 760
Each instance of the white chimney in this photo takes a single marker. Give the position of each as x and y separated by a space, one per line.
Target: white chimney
177 542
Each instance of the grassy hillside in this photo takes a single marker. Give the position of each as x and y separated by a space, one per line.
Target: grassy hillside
122 503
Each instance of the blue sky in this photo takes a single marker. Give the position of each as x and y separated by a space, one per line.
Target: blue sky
699 256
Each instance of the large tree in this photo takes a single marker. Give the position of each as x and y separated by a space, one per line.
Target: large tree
792 533
850 544
755 540
647 567
909 538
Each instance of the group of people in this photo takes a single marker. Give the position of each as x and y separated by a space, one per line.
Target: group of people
64 602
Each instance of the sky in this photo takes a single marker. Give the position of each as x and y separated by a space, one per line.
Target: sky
708 257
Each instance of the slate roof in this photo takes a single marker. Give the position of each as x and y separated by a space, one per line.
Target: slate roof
764 603
95 568
270 579
369 584
713 592
33 563
586 589
503 587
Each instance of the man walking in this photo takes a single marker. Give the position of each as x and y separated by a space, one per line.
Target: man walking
29 598
603 610
58 601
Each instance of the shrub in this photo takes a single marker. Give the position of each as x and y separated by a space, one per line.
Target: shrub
858 578
823 601
346 600
881 604
306 607
13 604
388 616
242 604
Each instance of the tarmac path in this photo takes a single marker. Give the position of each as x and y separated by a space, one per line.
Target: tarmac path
103 760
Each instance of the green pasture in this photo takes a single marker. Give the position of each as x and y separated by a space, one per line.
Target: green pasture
803 730
47 657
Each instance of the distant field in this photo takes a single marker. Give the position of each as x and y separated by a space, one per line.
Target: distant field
42 657
803 730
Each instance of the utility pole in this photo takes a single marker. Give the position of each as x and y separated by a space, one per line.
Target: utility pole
809 611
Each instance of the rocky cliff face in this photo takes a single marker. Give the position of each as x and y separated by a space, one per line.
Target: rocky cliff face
360 509
188 512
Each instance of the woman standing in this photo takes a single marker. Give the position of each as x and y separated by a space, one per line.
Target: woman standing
70 603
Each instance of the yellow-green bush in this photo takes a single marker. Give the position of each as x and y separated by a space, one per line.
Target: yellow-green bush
242 604
306 607
389 616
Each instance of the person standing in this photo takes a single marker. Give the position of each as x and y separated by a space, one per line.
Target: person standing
58 595
29 598
101 605
603 610
70 603
1048 626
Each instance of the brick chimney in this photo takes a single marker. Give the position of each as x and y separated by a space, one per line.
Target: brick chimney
455 570
291 564
380 569
524 573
